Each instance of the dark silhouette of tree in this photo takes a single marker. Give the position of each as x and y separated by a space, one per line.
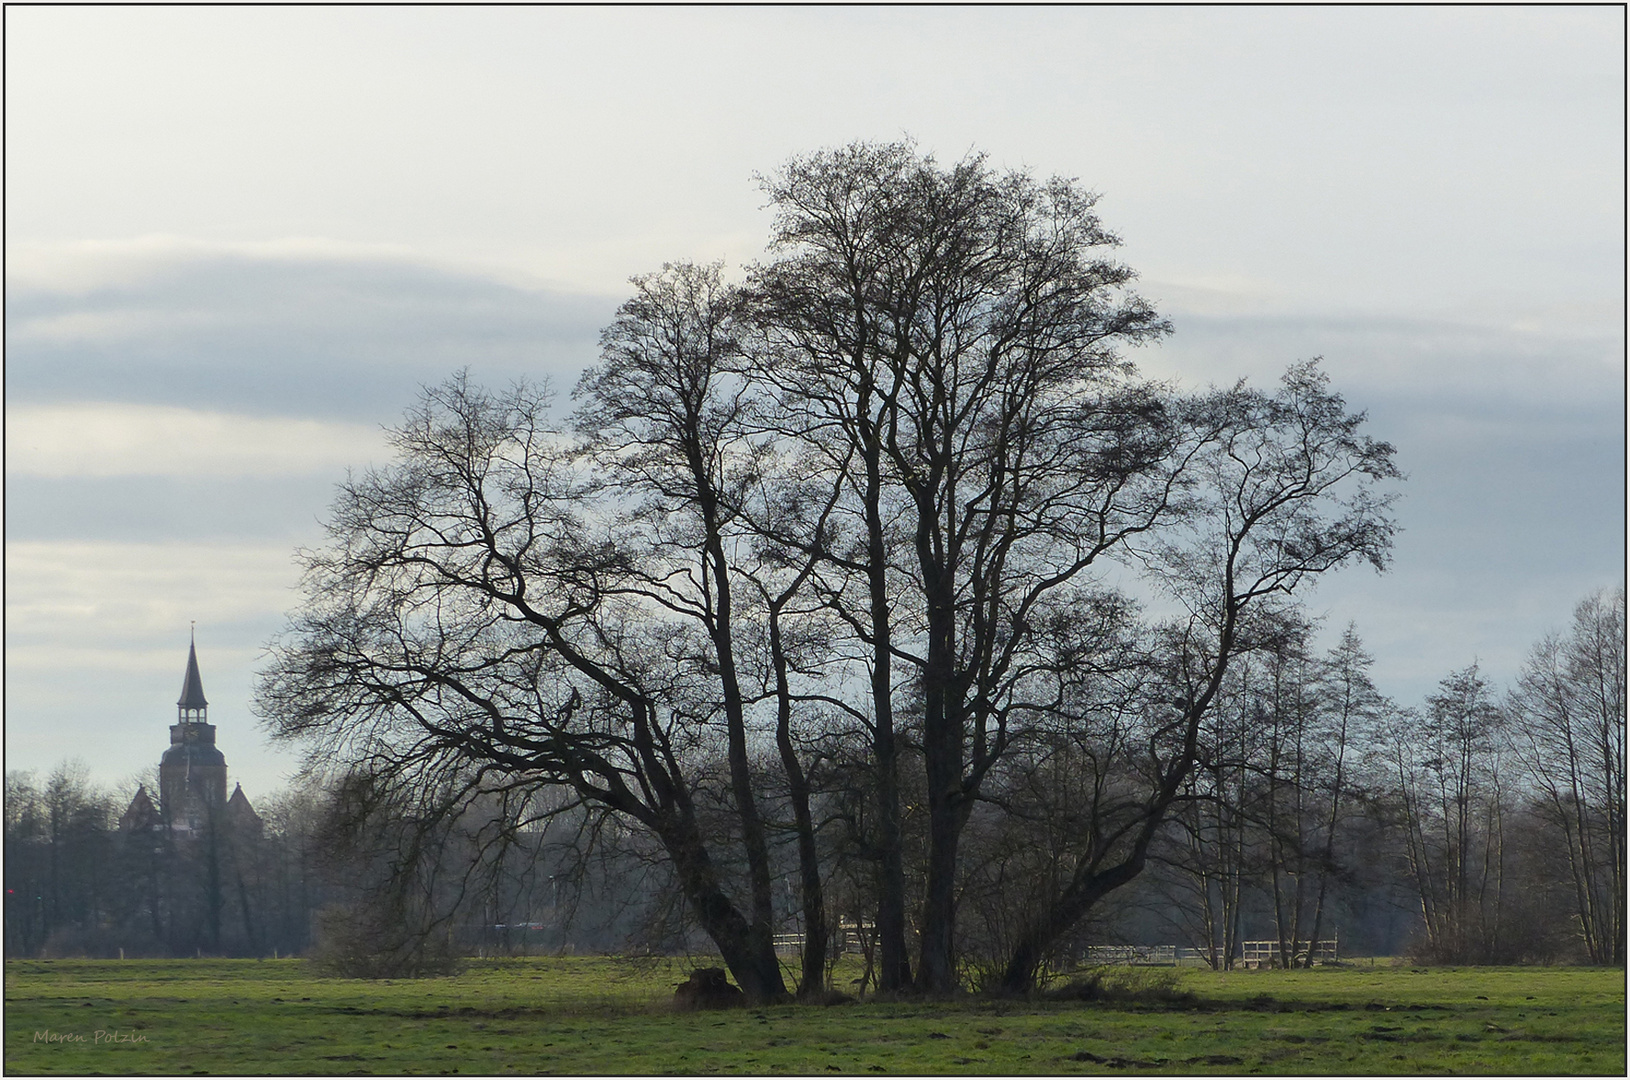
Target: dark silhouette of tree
946 339
849 517
1447 761
471 611
1283 488
1567 715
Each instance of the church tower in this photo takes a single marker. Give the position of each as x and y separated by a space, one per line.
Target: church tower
192 773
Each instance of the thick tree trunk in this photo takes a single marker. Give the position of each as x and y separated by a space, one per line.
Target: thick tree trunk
936 971
1025 961
942 759
666 810
750 956
946 816
741 781
812 974
721 628
943 733
894 966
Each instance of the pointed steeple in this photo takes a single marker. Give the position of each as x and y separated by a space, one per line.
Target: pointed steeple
192 707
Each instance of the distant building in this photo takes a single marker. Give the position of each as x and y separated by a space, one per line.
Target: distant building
192 775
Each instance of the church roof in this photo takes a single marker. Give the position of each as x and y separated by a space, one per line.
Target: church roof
239 801
141 814
192 688
240 813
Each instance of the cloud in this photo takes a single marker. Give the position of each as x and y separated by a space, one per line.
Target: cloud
155 509
1459 365
103 439
272 330
84 266
102 594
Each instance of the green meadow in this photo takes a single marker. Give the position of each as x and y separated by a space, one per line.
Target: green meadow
602 1015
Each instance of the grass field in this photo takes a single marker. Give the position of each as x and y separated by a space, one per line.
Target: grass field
598 1015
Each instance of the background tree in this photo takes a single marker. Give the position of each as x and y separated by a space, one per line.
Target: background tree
1288 711
1351 707
1212 843
1450 782
60 874
1276 792
1567 714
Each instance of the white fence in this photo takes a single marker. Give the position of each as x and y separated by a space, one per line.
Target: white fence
1258 954
1254 954
850 941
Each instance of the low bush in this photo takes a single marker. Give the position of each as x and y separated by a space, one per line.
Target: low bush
1124 985
365 941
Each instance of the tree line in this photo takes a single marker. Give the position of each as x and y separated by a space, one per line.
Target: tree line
1494 823
78 884
1477 827
337 875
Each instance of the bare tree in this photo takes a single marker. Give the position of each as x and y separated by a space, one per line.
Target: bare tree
864 499
1568 715
1271 796
1284 489
470 610
1449 779
1289 707
1351 707
947 337
665 414
1211 825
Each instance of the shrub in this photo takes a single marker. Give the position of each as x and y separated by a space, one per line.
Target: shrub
372 941
1125 985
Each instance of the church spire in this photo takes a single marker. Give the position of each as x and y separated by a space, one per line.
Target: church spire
192 707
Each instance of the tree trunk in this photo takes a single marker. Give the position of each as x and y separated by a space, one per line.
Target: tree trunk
942 760
1030 951
721 628
748 952
812 974
749 956
894 966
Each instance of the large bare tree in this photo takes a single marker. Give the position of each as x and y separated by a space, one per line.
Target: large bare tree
472 609
869 493
948 337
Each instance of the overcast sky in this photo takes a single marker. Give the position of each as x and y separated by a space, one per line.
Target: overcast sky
238 240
